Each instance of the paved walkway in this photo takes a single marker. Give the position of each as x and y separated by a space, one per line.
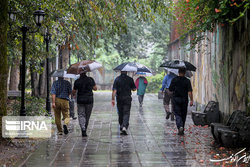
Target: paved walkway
152 140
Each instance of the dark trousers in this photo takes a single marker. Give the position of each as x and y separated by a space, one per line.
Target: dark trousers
72 108
180 111
140 99
124 106
84 112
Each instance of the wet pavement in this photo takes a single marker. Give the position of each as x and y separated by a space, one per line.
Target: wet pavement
152 141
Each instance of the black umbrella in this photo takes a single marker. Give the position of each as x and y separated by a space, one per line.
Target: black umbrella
132 67
177 64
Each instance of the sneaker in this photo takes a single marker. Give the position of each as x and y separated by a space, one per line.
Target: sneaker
124 131
59 133
168 115
181 131
65 129
84 134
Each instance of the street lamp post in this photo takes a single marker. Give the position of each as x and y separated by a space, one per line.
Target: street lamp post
24 30
39 17
47 38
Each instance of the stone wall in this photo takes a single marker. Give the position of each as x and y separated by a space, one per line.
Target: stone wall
222 59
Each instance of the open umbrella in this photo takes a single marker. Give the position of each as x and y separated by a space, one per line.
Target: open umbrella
143 68
62 73
133 67
130 67
176 72
83 66
177 64
144 74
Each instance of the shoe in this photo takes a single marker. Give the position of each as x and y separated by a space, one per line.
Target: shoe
59 133
181 131
65 129
84 134
124 131
172 116
168 115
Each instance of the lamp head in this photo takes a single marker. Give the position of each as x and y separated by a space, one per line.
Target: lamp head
39 17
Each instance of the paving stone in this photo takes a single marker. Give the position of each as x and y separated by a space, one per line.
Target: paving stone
152 140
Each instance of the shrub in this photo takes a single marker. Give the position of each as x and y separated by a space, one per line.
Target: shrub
34 106
155 82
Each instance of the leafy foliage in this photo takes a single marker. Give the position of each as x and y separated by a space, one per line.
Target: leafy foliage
35 106
81 23
155 82
203 15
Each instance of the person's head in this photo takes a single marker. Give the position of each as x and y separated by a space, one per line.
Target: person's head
124 72
83 74
60 78
182 72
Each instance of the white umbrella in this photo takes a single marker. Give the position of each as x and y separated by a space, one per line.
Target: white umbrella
62 73
70 75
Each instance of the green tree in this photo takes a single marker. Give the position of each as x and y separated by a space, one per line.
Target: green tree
4 60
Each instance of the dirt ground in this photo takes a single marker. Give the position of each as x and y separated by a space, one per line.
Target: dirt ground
15 150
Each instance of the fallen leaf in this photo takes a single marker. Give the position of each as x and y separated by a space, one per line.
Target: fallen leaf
222 148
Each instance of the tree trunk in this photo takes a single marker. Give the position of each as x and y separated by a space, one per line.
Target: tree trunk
34 83
4 60
8 78
42 81
52 67
64 56
14 75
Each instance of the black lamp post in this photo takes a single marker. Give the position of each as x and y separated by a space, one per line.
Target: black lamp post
39 17
47 38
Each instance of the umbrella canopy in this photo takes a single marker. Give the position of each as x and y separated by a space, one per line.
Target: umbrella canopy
176 72
83 66
63 74
143 68
177 64
144 74
132 67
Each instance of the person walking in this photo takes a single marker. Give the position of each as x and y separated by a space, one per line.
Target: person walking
141 85
61 89
122 87
84 87
168 94
181 88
